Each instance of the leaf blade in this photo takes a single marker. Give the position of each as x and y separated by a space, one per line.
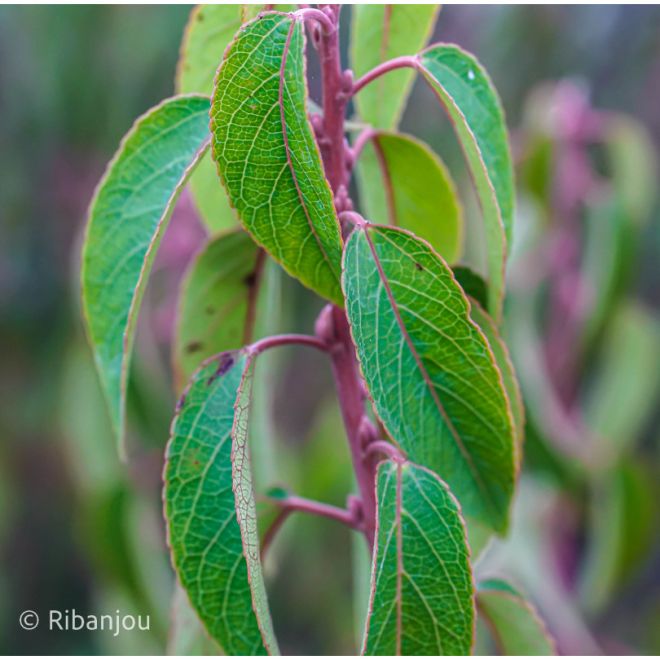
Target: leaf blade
400 178
261 92
380 33
515 624
471 101
465 435
148 170
414 610
210 511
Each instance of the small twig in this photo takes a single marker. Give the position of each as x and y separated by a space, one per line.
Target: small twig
287 340
406 61
360 142
312 14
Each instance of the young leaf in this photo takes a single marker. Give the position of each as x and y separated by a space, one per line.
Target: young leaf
379 33
217 305
210 510
127 219
472 103
513 622
403 181
505 366
267 156
422 595
429 368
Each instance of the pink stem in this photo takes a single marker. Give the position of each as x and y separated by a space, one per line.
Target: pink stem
396 63
311 14
384 447
360 142
286 340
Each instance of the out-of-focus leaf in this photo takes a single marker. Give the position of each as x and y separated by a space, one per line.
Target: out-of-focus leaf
626 384
402 181
471 101
514 623
422 598
187 635
217 304
127 218
210 510
634 166
267 156
429 369
472 283
379 33
622 526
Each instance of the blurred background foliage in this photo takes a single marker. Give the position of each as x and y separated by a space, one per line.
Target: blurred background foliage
581 88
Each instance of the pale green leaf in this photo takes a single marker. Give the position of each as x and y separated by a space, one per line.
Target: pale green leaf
187 635
627 381
422 595
380 33
429 369
267 156
217 304
471 101
127 219
210 197
515 625
210 510
404 183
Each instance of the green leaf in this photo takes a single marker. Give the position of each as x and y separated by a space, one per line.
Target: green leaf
505 366
471 101
513 622
187 635
210 510
217 304
402 181
267 156
209 31
422 595
472 283
127 219
429 369
627 382
379 33
622 526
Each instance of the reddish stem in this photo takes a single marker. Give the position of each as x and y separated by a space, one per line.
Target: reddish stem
287 340
405 61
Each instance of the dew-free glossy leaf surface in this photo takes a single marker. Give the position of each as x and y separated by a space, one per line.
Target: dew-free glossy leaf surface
217 305
429 369
379 33
422 595
513 622
472 103
127 219
210 511
404 183
267 156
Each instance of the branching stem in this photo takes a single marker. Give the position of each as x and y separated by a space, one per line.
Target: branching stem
406 61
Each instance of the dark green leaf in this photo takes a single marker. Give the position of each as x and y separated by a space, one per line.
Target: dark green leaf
471 101
429 369
379 33
402 181
422 600
513 622
472 283
210 510
267 155
127 219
